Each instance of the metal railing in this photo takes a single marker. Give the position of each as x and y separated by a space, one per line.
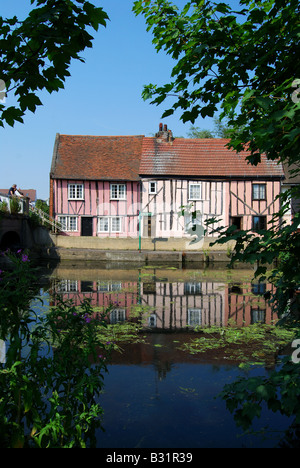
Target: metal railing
46 220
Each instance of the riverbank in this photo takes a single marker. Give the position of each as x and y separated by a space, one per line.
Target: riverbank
178 252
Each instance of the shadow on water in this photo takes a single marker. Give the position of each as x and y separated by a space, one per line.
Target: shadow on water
157 394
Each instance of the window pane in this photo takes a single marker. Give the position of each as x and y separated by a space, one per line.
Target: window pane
259 223
62 221
115 224
114 191
75 191
72 223
103 225
72 191
195 192
79 191
121 191
117 191
152 187
258 191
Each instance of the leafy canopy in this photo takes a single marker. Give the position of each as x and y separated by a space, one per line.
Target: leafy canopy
243 63
35 54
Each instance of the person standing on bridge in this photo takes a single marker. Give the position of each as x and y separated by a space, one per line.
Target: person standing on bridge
14 191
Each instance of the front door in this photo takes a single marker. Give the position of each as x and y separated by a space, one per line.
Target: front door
86 226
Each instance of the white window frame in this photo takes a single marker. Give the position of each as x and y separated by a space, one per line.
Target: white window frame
194 316
118 191
193 186
75 192
105 225
152 188
117 315
116 227
109 221
66 223
68 286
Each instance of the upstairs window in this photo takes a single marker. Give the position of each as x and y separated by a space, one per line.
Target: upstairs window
75 191
152 187
258 191
117 191
195 191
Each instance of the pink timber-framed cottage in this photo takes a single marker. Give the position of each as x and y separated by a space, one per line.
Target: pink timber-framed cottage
159 187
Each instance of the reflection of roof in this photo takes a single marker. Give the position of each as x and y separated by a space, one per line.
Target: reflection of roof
30 193
201 157
290 176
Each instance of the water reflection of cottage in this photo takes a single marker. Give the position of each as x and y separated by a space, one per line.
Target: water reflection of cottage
172 303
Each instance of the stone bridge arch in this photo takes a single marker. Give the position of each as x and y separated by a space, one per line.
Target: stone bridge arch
10 240
15 233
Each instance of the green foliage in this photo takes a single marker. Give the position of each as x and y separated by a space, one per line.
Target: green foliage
4 207
280 391
221 130
15 205
42 205
53 372
35 54
242 62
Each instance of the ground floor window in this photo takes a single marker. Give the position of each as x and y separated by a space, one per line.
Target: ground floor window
259 223
191 221
110 224
69 223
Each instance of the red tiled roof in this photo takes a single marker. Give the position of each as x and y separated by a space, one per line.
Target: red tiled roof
97 157
129 157
200 157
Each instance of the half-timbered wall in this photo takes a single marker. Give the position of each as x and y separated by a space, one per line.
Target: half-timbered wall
165 208
249 200
177 205
110 217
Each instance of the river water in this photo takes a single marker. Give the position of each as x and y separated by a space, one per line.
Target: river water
156 395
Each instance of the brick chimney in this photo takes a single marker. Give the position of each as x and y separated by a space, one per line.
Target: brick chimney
164 134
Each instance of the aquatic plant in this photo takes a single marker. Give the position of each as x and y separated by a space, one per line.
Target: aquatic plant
254 344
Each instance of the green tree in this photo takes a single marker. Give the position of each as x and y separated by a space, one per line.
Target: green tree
196 132
244 63
221 130
35 54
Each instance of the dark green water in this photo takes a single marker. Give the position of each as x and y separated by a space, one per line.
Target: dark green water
156 396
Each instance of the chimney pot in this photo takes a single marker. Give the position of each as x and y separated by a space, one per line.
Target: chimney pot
160 127
165 128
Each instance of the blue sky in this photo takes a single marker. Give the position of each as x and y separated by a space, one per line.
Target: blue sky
102 97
